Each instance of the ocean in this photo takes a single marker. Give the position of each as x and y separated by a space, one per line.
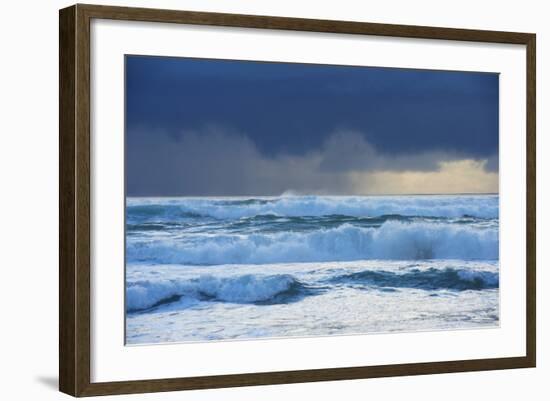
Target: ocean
201 269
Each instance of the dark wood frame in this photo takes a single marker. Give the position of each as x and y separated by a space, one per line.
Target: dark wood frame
74 200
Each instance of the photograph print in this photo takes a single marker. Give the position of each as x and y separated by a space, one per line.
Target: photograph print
278 200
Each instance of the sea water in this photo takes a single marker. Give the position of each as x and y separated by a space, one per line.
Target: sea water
201 269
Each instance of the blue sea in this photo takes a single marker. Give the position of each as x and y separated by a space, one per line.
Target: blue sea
200 269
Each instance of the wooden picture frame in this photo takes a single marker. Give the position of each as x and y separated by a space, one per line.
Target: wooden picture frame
74 200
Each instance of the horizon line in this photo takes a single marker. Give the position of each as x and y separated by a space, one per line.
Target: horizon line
312 194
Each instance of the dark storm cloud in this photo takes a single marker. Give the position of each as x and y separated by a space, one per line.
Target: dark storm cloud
350 151
213 162
207 127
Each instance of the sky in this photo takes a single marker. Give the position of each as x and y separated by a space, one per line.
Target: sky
202 127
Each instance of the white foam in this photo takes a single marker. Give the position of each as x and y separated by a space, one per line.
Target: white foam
484 206
393 240
247 288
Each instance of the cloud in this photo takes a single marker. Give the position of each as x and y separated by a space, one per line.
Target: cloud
215 162
492 164
459 176
350 151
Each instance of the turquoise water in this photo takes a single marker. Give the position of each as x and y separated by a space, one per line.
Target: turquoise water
235 268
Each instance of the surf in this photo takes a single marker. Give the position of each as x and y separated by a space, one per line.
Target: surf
182 290
482 206
392 240
142 295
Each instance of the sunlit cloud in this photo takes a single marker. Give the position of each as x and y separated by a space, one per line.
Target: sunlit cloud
459 176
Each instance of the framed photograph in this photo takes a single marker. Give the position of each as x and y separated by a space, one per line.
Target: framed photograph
250 200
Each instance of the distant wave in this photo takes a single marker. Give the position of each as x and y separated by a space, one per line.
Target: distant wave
392 240
280 288
272 223
432 206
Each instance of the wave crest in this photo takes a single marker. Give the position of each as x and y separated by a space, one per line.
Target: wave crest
430 279
280 288
423 206
258 289
392 240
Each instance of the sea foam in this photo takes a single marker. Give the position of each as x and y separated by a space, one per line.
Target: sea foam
231 208
145 294
393 240
269 289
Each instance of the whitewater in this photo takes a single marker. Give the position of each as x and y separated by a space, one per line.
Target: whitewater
200 269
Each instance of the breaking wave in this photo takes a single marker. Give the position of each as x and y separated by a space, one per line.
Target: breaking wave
280 288
227 208
392 240
143 295
430 279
